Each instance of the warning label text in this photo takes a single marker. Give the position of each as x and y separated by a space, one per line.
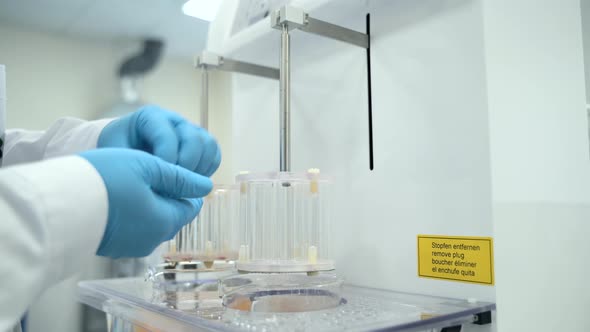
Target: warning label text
468 259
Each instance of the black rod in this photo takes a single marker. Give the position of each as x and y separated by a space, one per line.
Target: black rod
370 95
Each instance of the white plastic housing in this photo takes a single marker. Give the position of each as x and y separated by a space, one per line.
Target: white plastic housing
285 222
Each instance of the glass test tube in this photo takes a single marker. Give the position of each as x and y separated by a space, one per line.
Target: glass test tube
213 235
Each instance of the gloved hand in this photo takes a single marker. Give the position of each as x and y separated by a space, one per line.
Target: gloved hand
166 135
149 200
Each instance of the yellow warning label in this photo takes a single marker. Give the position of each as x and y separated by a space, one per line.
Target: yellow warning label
457 258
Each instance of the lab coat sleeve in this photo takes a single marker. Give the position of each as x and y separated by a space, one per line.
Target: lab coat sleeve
52 217
66 136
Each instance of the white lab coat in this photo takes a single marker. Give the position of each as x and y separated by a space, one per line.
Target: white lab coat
53 211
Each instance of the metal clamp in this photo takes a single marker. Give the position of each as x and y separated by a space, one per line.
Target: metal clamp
207 61
291 17
288 18
210 60
295 18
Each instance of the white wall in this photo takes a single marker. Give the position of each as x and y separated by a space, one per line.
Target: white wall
540 163
585 9
51 76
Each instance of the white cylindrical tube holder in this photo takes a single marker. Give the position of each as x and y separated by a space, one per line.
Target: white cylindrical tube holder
285 221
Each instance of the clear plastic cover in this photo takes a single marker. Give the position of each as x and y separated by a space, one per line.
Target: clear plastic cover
285 222
282 292
364 309
192 290
213 235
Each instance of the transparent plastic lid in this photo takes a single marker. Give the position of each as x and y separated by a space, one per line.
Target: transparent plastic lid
285 222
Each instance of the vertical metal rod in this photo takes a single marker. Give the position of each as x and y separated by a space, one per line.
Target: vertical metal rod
204 112
285 100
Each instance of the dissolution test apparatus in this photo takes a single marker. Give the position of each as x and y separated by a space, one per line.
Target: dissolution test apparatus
274 266
285 260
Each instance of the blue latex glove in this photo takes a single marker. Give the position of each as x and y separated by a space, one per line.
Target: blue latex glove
166 135
149 200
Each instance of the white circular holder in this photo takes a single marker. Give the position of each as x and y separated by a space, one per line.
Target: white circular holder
285 222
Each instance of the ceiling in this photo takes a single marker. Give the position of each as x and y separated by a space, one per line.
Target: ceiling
112 20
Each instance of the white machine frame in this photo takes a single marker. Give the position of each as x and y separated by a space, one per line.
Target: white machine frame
463 142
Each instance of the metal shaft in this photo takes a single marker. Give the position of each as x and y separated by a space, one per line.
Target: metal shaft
204 112
285 100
